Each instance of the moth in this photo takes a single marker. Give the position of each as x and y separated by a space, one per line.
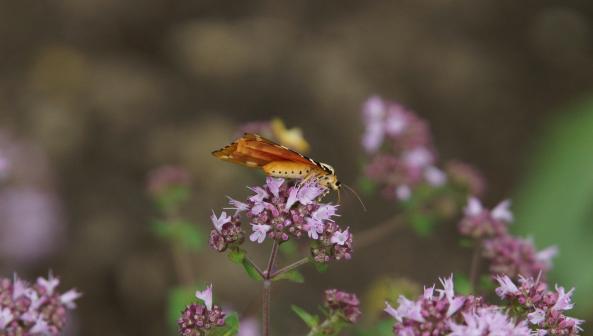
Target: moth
255 151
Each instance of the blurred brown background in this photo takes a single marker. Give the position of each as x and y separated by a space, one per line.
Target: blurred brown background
106 90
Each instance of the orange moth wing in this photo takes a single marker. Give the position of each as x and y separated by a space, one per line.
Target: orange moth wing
253 150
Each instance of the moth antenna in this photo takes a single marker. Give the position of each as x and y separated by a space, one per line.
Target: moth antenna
355 194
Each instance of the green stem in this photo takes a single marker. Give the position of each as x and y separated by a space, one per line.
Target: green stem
272 260
329 327
259 271
266 302
290 267
267 291
475 266
378 232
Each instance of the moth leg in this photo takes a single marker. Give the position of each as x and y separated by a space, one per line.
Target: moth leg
311 177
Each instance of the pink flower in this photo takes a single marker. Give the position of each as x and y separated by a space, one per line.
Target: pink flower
325 212
5 317
373 113
48 284
433 312
502 212
249 327
340 238
260 194
546 255
259 232
409 309
206 296
403 192
506 286
395 122
237 206
308 192
536 317
34 309
418 157
564 299
219 222
40 326
482 223
434 176
293 211
488 321
292 198
4 166
391 311
198 318
67 299
314 228
473 208
274 185
344 305
164 178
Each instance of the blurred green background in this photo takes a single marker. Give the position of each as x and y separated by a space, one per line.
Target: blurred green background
96 93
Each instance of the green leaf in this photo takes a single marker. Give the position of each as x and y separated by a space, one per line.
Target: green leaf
320 267
294 276
421 223
366 186
173 198
462 284
289 248
554 204
230 328
237 255
251 270
180 232
465 242
310 320
486 283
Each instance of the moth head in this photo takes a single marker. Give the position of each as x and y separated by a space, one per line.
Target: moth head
330 182
327 168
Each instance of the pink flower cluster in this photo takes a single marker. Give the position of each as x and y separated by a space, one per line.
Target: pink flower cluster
344 304
434 312
165 177
408 159
34 309
544 309
528 310
197 318
402 154
505 253
283 209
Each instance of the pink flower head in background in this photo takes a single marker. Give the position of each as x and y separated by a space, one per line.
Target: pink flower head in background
30 223
488 321
344 304
433 313
249 327
400 149
164 178
544 308
479 222
30 309
516 257
4 165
